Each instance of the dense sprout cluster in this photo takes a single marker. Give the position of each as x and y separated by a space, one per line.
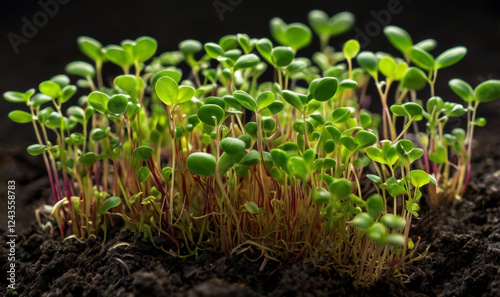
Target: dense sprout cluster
295 168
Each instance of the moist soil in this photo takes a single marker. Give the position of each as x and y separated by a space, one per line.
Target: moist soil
463 258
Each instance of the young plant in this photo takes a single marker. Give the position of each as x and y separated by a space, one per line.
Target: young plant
222 160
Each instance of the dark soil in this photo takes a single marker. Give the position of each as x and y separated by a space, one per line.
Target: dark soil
463 259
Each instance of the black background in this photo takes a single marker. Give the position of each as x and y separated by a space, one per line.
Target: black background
474 24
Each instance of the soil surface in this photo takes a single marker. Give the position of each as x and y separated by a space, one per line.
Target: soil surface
463 259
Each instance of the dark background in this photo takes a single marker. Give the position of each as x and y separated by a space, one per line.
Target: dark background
474 24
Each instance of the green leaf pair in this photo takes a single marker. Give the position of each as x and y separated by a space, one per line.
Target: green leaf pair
485 92
170 93
295 35
115 104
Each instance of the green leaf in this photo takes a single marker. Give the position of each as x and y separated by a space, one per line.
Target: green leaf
298 167
434 104
293 99
228 42
282 56
377 232
438 156
362 221
454 109
462 89
252 207
15 97
50 88
325 88
450 57
422 58
99 101
296 66
167 90
375 206
334 132
176 75
396 240
393 221
398 110
226 161
210 114
265 99
487 91
165 173
365 139
375 154
369 62
144 48
415 154
480 122
336 25
419 178
413 109
232 145
403 147
319 22
296 35
276 107
54 121
245 100
128 84
329 163
98 134
280 157
117 103
251 159
216 101
143 174
19 116
91 48
340 188
246 61
375 178
118 55
44 114
387 67
414 79
396 190
190 46
351 49
80 68
67 92
185 94
88 159
213 50
246 139
427 44
399 38
36 149
320 196
110 203
340 115
347 84
265 47
142 153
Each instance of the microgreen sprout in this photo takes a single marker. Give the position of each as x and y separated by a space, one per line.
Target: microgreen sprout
221 159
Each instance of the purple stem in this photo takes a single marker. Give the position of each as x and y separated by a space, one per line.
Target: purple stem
467 176
51 180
